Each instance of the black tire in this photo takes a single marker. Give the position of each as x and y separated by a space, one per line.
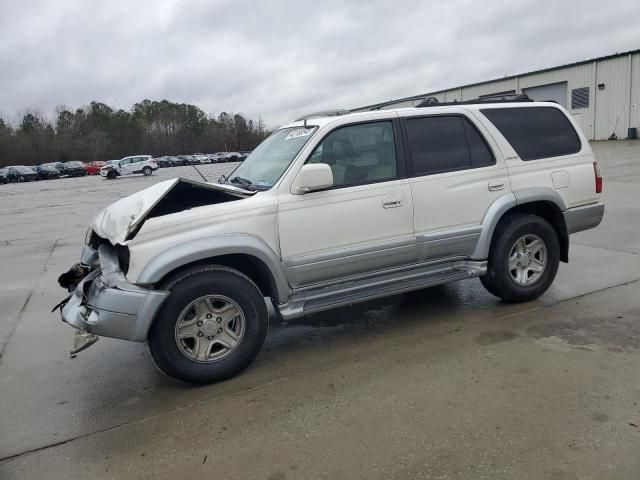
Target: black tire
499 280
185 288
111 175
147 171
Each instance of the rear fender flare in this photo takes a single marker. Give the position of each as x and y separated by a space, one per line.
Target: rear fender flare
505 203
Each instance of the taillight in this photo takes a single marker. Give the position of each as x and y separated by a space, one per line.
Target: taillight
596 171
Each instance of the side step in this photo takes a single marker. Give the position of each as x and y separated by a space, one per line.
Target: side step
355 291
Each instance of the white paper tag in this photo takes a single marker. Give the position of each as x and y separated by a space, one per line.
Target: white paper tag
299 132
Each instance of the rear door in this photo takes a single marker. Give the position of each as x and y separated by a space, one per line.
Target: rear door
456 172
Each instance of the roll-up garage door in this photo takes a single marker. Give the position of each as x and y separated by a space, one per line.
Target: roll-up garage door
553 91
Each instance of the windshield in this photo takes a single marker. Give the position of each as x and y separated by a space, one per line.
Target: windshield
24 170
74 164
270 159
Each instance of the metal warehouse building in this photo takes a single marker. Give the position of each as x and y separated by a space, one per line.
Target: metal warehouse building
601 94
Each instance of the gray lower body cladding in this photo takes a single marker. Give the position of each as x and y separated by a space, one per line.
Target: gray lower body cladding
584 217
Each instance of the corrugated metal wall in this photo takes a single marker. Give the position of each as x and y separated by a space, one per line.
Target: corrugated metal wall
614 93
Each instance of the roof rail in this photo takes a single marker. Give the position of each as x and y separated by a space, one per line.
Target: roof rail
325 113
433 101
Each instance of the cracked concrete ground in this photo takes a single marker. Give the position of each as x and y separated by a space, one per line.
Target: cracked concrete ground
443 383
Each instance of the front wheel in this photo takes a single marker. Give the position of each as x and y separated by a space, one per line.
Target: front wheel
147 171
523 259
211 327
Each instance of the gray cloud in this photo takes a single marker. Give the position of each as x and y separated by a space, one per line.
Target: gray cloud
279 59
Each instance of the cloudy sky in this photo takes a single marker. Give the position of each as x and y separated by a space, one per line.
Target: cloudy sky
278 59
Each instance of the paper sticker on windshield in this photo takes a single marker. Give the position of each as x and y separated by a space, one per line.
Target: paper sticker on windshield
299 132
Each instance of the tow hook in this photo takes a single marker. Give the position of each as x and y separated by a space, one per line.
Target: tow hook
81 341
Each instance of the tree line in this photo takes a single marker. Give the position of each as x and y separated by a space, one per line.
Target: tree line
99 132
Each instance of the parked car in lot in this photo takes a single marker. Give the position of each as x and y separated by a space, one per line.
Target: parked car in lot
46 171
232 156
71 169
184 160
3 176
163 162
129 165
20 173
333 210
217 157
93 168
201 158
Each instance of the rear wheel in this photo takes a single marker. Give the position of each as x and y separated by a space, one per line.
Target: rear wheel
523 260
211 327
147 171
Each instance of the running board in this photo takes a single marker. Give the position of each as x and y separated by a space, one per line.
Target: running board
355 291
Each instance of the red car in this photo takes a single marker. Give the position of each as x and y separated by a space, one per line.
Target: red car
93 168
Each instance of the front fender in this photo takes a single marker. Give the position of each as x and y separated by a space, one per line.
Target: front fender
204 248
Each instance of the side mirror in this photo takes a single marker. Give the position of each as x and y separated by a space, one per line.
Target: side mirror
311 177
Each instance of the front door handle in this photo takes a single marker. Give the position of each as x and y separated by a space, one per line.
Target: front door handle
391 202
494 186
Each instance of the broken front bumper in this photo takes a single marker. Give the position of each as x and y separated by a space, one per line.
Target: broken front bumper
105 304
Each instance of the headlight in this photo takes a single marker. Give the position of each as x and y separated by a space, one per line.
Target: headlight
87 236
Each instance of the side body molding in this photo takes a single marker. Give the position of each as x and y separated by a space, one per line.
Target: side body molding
225 244
499 207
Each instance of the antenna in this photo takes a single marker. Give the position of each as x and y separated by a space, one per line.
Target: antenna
199 172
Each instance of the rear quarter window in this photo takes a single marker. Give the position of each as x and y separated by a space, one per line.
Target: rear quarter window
535 132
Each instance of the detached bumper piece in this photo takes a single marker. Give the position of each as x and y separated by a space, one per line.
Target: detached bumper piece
104 303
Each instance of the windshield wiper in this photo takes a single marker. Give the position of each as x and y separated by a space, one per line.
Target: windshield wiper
246 183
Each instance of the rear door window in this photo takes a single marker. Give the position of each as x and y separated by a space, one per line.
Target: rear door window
535 132
443 143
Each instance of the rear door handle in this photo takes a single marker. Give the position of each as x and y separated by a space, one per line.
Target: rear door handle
494 186
391 202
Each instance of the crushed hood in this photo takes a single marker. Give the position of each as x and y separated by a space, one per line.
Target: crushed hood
121 220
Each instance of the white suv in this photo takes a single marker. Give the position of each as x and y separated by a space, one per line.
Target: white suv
330 211
144 164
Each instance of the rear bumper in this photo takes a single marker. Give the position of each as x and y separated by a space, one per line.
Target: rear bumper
105 304
584 218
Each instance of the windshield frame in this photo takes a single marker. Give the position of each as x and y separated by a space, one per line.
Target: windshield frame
261 186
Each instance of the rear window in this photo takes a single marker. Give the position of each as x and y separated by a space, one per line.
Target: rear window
535 132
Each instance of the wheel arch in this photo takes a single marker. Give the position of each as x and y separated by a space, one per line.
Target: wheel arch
541 201
246 253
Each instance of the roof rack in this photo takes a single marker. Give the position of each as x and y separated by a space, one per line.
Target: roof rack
325 113
508 98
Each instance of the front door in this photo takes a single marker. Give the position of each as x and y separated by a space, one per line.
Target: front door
364 223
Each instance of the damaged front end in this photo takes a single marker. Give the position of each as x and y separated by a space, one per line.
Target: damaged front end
102 302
